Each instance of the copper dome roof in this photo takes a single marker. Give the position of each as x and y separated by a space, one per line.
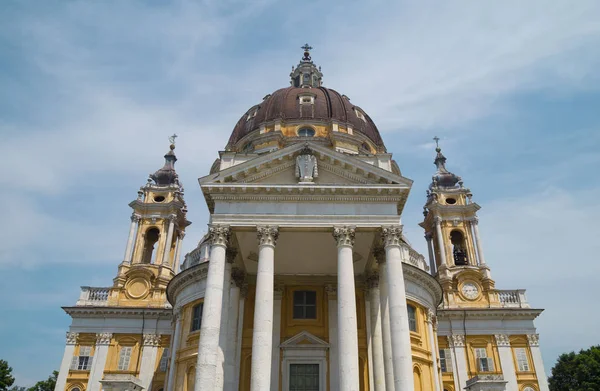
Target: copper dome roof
329 105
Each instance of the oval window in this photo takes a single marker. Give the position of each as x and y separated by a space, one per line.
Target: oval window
159 198
450 201
306 132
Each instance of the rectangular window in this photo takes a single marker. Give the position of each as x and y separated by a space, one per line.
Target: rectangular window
412 318
445 360
124 358
304 377
196 317
83 362
484 363
164 359
305 305
522 362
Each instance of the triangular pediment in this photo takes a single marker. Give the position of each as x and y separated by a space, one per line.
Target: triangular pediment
304 339
279 168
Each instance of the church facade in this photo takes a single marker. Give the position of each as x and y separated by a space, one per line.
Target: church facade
305 280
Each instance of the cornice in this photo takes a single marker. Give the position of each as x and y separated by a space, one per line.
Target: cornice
93 312
424 280
488 313
183 279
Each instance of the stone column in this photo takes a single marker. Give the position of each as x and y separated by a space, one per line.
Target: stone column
506 361
457 345
135 220
395 251
347 326
475 224
275 356
151 342
177 261
230 255
432 266
376 337
240 328
211 314
99 361
169 241
174 347
434 350
538 363
386 333
262 334
237 277
334 368
65 365
440 240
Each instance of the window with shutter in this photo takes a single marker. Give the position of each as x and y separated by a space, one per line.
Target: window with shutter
164 359
484 363
83 362
412 318
124 358
196 317
445 360
522 362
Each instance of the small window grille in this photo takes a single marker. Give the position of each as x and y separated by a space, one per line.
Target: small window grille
412 318
522 361
83 362
124 358
484 363
445 360
305 305
196 317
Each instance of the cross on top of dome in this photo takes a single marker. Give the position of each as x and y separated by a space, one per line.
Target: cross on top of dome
306 74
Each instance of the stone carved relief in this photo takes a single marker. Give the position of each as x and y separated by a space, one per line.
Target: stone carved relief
306 166
103 338
219 235
151 339
72 338
533 339
344 236
502 340
391 235
456 340
267 235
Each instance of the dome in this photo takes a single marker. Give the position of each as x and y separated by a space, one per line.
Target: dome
306 103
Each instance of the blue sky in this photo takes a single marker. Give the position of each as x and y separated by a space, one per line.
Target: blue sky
91 90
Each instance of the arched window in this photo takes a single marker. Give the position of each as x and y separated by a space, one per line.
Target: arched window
191 379
459 249
528 389
412 318
306 132
75 389
150 240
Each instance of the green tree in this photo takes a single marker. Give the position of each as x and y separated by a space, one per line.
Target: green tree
6 379
18 388
577 371
45 385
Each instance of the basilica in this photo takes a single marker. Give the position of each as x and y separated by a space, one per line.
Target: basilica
305 280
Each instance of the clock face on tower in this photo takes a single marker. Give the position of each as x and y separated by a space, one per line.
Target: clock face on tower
470 290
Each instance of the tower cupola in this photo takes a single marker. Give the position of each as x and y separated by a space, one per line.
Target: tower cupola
442 178
167 175
306 74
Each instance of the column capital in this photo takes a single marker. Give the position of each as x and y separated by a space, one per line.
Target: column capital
151 339
430 317
437 220
103 338
219 235
502 340
428 236
135 218
533 339
230 254
379 254
456 340
181 235
172 218
238 276
344 236
177 312
331 291
474 220
267 235
72 338
391 235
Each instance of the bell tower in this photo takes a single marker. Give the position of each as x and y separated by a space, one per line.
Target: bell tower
453 240
157 229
